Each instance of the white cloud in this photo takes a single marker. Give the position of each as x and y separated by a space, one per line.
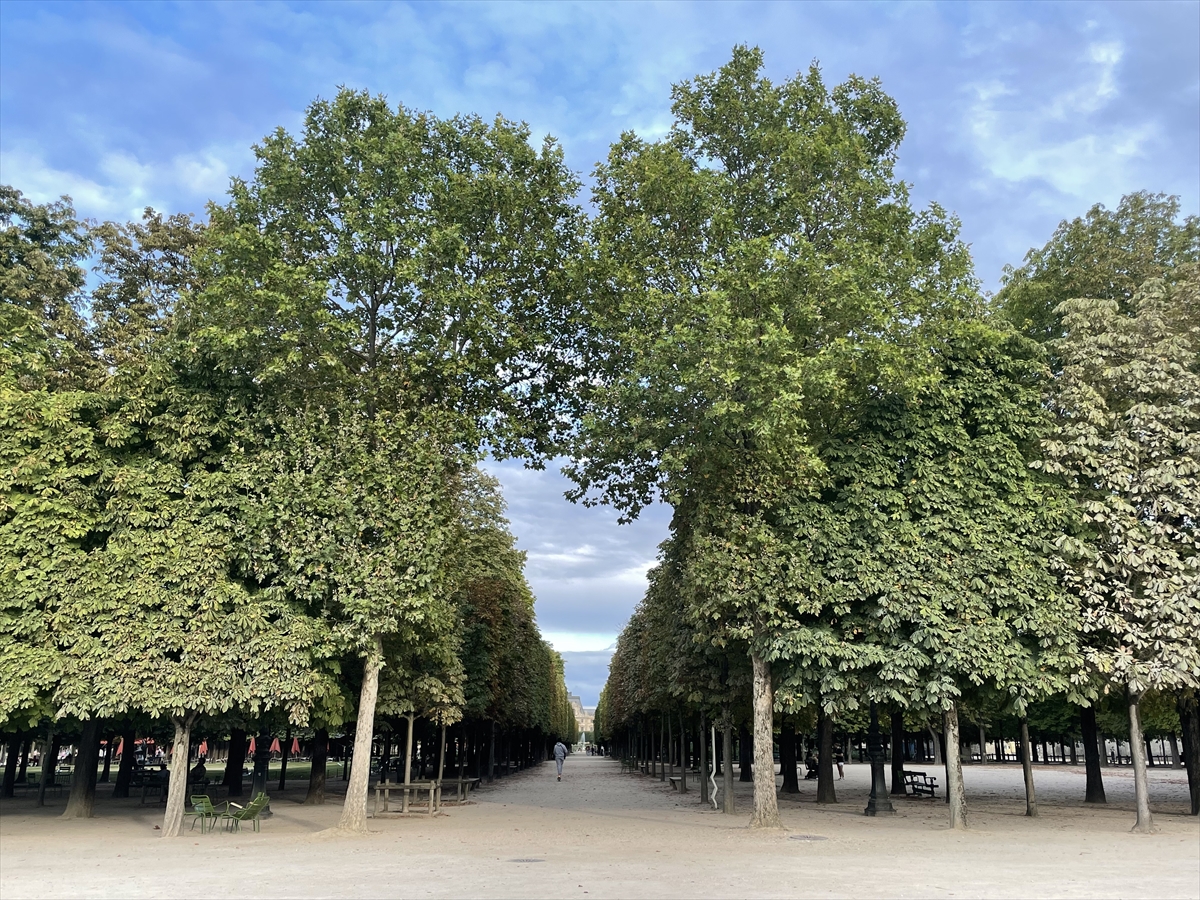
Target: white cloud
580 642
120 185
1061 138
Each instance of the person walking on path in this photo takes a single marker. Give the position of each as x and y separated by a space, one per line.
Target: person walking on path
560 753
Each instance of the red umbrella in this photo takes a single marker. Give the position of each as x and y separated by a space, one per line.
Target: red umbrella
121 748
295 746
275 746
203 748
250 749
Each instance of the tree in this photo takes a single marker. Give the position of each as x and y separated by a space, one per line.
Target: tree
392 264
748 269
1106 255
1128 444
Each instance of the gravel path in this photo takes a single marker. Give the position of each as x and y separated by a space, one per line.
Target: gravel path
599 833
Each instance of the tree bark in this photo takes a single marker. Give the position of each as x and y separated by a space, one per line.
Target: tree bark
787 758
283 759
1137 752
898 753
235 762
982 746
22 769
745 755
408 755
177 785
354 810
316 775
49 764
937 744
10 766
704 764
826 792
683 756
1027 767
1189 725
727 764
766 805
955 792
108 755
1094 790
83 779
125 767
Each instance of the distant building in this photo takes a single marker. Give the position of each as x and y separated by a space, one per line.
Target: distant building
585 717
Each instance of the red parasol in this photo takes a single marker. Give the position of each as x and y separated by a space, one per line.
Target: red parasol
275 746
250 749
295 746
203 748
121 748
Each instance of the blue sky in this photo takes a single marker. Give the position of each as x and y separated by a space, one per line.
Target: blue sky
1019 115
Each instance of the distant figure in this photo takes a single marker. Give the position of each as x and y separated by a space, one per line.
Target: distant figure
560 753
840 758
199 773
810 763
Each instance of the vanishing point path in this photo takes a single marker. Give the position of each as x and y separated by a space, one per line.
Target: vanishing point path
599 833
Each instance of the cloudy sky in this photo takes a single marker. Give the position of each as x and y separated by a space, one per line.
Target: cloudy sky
1019 115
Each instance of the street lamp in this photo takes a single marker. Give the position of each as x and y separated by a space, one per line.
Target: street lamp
880 803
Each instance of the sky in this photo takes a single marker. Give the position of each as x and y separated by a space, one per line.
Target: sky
1019 115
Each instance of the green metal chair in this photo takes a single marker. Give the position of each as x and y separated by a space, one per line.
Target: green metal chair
236 814
203 810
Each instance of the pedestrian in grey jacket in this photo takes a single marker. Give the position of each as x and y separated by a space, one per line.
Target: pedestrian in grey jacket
560 753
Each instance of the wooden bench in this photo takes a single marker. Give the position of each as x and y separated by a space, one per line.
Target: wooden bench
462 789
675 780
919 783
383 790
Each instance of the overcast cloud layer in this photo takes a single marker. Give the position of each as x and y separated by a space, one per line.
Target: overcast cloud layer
1019 115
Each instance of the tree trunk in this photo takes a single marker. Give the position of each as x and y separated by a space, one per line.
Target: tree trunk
787 758
177 784
982 746
1094 791
937 744
235 762
683 756
128 756
49 764
704 765
354 810
83 780
408 755
316 775
898 753
745 755
108 755
1027 767
727 764
955 792
10 766
22 769
1189 722
766 805
664 747
826 792
1137 752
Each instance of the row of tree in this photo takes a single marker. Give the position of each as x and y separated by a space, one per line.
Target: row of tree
238 464
887 487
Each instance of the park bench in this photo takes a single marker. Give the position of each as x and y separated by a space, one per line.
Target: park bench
919 783
675 780
462 789
384 789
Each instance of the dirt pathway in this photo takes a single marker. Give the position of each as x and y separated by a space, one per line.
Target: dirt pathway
599 833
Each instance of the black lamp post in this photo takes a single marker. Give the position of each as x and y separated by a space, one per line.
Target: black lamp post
262 761
880 803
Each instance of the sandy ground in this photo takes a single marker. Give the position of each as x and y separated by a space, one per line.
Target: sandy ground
603 834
